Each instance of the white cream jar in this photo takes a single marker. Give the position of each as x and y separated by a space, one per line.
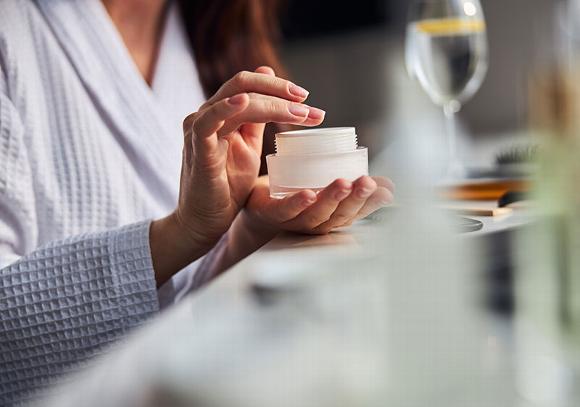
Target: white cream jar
312 159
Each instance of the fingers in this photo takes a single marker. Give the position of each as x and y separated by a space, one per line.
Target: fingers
379 199
257 129
266 70
283 210
277 211
269 93
321 211
212 119
346 212
382 197
315 116
339 204
385 182
265 109
263 81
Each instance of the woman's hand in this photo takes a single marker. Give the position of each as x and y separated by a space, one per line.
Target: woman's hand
221 160
338 205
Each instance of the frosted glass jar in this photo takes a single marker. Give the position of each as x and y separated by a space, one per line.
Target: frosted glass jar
312 159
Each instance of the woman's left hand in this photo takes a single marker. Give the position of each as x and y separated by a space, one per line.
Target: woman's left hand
338 205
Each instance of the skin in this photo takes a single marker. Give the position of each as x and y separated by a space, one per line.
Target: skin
140 23
221 157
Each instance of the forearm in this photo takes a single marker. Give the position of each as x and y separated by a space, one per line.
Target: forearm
81 293
243 238
174 248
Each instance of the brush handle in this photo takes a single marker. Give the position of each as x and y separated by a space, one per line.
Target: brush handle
472 211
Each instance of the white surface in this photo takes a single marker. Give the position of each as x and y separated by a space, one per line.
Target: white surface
323 330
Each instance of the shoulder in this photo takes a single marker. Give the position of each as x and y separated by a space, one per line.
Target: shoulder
15 16
22 27
18 19
16 50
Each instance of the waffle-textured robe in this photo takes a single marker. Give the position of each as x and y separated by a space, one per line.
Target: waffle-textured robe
89 153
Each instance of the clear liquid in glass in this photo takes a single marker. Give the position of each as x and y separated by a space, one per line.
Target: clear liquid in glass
448 57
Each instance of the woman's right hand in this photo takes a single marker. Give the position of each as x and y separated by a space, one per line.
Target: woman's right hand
221 160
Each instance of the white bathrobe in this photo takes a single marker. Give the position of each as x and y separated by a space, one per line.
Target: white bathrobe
89 154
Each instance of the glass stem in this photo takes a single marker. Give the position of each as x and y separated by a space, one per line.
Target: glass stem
450 109
451 132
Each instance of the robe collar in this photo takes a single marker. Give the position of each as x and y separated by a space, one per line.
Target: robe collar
126 102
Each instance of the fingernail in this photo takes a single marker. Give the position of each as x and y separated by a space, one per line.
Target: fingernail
315 113
343 193
363 193
308 201
298 91
237 100
298 110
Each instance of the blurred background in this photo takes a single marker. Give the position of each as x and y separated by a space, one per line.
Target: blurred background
397 311
355 50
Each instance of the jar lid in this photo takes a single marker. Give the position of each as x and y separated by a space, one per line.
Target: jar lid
316 141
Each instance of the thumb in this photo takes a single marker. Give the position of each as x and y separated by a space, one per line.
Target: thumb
287 208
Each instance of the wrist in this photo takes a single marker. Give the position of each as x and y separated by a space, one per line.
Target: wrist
174 246
189 233
245 237
257 228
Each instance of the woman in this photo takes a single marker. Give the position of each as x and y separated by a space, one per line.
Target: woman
92 97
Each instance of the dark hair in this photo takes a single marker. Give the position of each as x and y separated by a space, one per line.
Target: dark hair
228 36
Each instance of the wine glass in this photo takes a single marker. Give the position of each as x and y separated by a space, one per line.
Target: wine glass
446 51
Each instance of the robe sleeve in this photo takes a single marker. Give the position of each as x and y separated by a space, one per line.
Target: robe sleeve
65 302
